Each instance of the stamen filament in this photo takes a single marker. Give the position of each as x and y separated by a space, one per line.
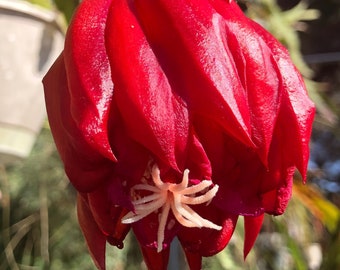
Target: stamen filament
200 199
146 199
145 187
150 205
161 227
176 197
183 221
196 188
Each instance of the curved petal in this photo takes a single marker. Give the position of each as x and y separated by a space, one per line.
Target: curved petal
258 72
276 184
197 161
235 168
88 74
95 239
153 115
204 241
297 106
84 165
252 227
194 260
155 260
107 213
189 47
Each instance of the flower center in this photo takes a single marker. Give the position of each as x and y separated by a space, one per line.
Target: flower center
174 197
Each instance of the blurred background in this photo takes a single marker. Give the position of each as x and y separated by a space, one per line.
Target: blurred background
38 224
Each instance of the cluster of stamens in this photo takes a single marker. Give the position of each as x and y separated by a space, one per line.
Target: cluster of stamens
174 197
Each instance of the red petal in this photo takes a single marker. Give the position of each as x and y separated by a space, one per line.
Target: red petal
153 115
264 55
236 169
145 231
277 184
252 227
107 213
297 106
155 260
191 50
205 241
194 260
197 161
89 75
258 72
85 167
95 239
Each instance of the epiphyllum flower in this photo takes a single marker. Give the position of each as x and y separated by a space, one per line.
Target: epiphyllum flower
146 91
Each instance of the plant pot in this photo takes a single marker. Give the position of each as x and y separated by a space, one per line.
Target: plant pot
30 41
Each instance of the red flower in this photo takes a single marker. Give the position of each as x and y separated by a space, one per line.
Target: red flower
147 90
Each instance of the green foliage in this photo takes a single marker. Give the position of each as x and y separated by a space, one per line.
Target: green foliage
285 26
43 3
66 7
39 225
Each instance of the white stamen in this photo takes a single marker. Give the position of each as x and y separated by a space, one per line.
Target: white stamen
176 197
146 199
161 226
196 188
200 199
183 221
145 187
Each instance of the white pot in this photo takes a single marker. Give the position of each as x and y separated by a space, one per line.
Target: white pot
30 40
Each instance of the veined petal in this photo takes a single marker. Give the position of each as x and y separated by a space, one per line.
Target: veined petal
199 163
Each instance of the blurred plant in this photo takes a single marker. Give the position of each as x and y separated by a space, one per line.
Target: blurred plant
38 226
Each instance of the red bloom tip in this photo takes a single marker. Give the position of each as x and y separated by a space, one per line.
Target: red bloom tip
95 239
252 227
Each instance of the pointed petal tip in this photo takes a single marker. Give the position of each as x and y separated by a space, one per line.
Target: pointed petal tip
95 240
194 260
252 227
155 260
